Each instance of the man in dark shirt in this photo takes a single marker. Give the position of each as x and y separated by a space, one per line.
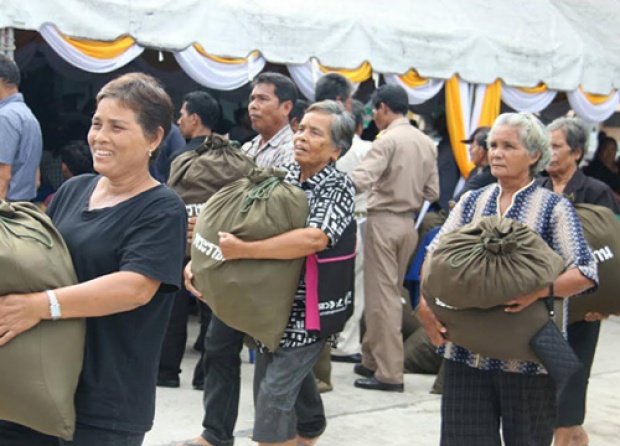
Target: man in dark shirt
199 113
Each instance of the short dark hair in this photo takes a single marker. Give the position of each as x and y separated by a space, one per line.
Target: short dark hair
204 105
145 96
77 157
358 111
333 86
9 71
394 96
481 136
284 88
299 110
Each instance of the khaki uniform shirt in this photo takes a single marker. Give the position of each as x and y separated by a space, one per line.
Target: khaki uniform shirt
400 170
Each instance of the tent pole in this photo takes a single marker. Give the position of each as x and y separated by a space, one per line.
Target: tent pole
7 42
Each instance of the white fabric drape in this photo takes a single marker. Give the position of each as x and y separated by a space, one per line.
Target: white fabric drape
305 77
592 112
218 75
417 95
527 102
82 61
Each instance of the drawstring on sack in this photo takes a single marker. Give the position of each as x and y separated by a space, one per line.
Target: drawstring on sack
42 238
261 191
495 245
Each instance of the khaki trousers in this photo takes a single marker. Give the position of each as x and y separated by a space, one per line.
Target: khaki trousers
390 240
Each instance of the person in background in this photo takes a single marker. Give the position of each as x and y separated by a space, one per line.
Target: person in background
485 396
400 170
349 345
242 131
480 175
569 142
22 143
271 102
603 165
298 111
160 169
126 234
199 113
336 87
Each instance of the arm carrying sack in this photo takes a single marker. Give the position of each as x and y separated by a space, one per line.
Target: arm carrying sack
601 229
252 296
39 369
330 284
488 263
554 351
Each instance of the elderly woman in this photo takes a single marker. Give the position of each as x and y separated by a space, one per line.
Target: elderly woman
288 407
481 393
126 234
569 140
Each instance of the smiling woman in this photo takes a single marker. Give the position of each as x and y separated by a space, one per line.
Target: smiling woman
126 235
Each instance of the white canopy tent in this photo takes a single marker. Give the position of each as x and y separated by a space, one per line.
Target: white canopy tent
564 43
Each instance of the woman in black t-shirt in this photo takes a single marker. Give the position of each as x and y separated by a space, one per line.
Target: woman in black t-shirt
126 234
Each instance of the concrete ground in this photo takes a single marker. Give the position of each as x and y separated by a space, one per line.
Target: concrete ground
364 418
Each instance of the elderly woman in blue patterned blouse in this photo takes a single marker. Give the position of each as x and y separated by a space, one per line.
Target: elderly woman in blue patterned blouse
479 394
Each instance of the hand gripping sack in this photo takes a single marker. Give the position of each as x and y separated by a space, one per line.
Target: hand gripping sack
487 263
252 296
330 285
601 229
198 174
39 369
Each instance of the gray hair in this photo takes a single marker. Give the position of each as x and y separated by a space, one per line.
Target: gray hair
576 133
342 127
532 133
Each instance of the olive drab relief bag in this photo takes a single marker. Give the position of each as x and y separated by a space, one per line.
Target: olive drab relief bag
252 296
198 174
601 229
478 268
330 284
39 369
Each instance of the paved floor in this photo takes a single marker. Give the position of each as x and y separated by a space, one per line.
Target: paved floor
364 418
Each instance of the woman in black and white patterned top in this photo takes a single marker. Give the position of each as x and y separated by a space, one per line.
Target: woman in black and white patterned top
288 408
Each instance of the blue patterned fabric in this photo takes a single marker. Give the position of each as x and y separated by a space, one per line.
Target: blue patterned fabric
548 214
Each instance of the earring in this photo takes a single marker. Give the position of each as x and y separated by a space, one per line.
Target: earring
150 153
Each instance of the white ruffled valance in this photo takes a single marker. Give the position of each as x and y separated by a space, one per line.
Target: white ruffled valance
84 62
305 76
588 111
523 101
417 95
218 75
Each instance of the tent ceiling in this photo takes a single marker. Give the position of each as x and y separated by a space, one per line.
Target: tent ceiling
564 43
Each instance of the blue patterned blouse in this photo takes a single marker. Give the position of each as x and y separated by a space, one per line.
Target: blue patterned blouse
548 214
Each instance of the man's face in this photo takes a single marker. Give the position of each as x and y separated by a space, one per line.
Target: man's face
267 114
378 115
185 122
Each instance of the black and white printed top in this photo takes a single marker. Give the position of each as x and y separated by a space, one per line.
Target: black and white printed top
331 196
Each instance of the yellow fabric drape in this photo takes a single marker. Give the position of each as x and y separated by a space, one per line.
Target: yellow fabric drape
360 74
413 80
540 88
226 60
596 99
456 125
101 50
491 105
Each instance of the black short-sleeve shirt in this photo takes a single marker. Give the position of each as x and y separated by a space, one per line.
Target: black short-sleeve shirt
145 234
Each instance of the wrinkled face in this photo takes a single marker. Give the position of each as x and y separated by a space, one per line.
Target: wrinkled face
508 157
185 122
563 160
267 114
117 142
477 154
313 144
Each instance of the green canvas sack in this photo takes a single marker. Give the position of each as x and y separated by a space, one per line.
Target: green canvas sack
252 296
198 174
601 229
487 263
39 369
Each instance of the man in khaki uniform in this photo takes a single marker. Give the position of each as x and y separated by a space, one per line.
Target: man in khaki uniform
401 172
